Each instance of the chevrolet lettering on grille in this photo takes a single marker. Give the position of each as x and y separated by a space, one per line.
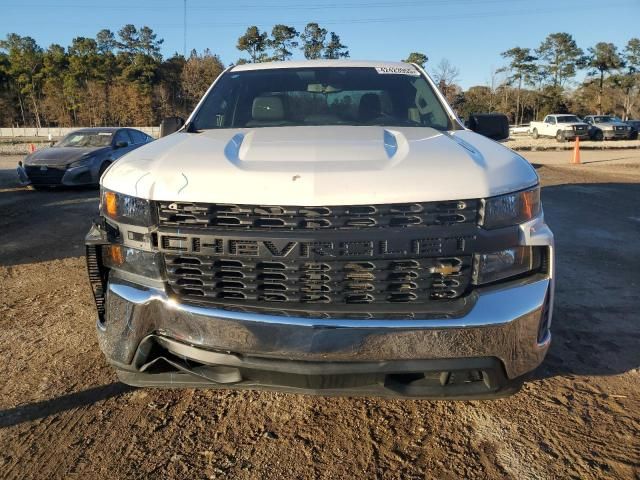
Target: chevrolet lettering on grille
292 249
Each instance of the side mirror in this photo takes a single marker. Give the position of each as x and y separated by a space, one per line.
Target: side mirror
122 144
171 125
492 125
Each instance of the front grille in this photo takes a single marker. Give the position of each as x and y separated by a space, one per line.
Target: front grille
364 261
271 217
317 285
49 176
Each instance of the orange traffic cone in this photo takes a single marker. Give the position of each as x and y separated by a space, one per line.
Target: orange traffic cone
32 148
576 152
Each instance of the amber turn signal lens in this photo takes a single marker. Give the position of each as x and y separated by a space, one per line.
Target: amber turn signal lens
116 254
530 201
111 204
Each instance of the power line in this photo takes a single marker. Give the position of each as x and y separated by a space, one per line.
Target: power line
290 6
394 20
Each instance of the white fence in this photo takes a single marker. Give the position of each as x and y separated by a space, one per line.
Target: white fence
60 132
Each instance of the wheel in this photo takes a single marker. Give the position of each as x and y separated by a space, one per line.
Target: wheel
598 136
560 136
535 134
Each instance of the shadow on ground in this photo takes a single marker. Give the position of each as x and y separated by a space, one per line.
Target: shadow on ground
36 410
37 226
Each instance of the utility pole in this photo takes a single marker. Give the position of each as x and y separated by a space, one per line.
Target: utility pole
184 45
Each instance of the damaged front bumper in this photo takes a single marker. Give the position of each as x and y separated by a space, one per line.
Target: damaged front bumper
154 341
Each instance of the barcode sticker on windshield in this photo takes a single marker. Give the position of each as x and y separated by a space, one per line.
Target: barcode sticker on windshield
398 71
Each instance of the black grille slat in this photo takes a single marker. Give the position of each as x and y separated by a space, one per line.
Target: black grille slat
265 217
96 278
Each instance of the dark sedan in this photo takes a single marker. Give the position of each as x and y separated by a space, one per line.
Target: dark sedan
635 128
81 157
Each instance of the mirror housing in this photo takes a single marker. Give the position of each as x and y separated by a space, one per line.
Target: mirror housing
171 125
122 144
492 125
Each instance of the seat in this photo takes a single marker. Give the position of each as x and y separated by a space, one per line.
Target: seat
266 111
369 108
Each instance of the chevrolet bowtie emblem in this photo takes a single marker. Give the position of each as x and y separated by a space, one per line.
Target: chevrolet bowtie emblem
445 269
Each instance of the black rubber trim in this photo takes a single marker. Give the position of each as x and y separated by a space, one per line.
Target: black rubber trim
161 362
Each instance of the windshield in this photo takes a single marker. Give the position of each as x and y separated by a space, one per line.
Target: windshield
604 119
86 139
322 96
568 119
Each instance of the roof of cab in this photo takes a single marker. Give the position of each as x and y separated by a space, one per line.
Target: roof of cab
317 64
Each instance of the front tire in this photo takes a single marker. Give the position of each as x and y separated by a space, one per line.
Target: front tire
560 136
598 136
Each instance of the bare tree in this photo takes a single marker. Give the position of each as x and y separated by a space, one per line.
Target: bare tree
445 75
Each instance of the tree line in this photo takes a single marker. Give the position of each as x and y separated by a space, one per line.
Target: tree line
121 78
538 81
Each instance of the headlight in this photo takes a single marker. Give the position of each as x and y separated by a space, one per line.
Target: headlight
511 209
125 208
132 260
491 267
80 163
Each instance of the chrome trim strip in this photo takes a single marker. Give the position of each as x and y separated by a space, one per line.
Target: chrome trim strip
493 308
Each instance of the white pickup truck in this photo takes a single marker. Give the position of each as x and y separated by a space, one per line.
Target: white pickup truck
324 227
562 127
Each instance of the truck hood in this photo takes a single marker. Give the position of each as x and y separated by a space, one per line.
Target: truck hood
60 156
320 166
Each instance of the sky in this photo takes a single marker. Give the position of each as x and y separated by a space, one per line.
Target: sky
471 34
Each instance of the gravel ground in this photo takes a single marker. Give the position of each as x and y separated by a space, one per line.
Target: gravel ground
19 148
64 415
526 143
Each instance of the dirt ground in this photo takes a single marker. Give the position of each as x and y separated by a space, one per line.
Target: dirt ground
64 415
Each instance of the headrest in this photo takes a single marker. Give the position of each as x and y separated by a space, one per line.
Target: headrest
267 108
370 107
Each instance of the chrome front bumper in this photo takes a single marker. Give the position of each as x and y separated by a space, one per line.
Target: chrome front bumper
574 134
503 323
615 134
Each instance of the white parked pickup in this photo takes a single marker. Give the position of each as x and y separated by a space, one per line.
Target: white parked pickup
562 127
